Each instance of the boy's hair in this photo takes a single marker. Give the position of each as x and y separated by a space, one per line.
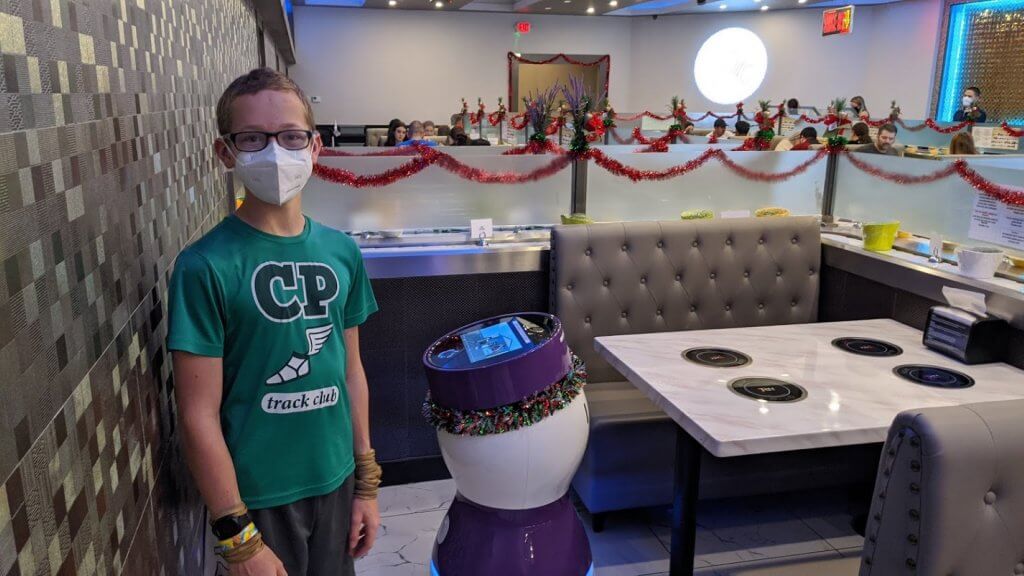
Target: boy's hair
429 123
258 80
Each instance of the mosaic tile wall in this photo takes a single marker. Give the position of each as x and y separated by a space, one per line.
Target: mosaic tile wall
106 171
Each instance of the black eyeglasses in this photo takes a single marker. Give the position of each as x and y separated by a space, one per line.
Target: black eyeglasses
256 141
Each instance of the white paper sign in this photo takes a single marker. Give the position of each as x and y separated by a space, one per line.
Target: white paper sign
509 133
995 138
788 125
996 222
482 228
734 214
873 133
566 138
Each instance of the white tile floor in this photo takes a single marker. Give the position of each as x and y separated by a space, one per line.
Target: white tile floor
775 535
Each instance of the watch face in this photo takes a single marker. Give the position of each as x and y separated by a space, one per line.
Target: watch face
228 526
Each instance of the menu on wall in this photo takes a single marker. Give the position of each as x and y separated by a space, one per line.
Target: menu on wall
994 137
996 222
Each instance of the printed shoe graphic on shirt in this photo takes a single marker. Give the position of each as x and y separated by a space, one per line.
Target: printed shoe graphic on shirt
298 365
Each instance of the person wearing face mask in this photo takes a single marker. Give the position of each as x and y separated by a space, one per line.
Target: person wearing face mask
970 107
264 315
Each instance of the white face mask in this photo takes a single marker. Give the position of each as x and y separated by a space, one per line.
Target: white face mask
274 174
967 100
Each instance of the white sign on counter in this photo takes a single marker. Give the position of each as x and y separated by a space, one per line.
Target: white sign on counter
510 132
996 222
994 137
788 125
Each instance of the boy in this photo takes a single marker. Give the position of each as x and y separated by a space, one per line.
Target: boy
264 316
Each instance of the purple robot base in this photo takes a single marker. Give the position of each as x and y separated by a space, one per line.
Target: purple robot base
545 541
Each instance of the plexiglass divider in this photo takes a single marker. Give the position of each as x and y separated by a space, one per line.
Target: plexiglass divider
711 187
435 198
945 208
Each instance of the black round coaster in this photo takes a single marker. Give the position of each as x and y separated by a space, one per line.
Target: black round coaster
936 376
767 389
716 357
867 347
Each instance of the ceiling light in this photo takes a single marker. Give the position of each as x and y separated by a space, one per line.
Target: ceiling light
763 8
801 1
438 4
590 10
613 2
722 6
392 2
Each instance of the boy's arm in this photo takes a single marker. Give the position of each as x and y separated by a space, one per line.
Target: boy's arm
198 387
365 514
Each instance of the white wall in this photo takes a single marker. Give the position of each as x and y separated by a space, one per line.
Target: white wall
369 66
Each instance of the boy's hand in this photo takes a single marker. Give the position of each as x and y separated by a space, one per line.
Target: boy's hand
363 531
265 563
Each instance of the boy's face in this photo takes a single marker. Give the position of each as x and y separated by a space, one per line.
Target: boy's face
267 111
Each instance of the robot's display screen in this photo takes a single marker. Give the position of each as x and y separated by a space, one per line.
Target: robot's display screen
490 342
493 340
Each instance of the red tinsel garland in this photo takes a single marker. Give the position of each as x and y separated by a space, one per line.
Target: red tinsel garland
403 151
348 178
863 166
949 130
518 122
904 125
552 128
639 137
1004 194
661 144
876 123
429 156
620 140
636 175
494 117
809 120
560 56
749 174
1012 132
461 170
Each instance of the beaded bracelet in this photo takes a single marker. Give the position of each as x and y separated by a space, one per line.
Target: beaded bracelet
368 474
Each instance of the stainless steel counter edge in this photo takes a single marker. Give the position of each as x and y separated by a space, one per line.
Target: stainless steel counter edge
494 259
919 279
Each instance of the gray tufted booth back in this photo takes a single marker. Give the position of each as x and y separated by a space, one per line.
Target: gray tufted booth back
635 277
949 497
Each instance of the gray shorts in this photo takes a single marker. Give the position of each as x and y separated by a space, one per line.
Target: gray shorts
311 536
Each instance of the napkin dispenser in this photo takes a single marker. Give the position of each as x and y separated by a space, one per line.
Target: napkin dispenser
967 337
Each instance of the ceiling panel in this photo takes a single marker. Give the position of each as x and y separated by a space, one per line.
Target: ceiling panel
595 7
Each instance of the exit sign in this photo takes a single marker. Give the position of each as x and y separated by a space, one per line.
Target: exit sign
523 27
837 21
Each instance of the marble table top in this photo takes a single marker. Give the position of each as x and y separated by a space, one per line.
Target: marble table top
851 399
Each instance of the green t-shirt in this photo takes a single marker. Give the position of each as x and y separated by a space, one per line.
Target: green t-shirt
275 308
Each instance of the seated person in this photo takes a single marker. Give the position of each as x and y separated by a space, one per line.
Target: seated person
396 133
970 108
742 128
883 144
801 141
793 107
720 132
416 135
962 143
860 109
457 137
861 134
429 129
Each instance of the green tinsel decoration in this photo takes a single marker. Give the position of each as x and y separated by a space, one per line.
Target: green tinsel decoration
510 417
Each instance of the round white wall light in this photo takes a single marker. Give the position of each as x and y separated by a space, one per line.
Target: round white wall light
730 65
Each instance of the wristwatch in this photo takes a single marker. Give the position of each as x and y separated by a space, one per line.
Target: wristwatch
230 526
